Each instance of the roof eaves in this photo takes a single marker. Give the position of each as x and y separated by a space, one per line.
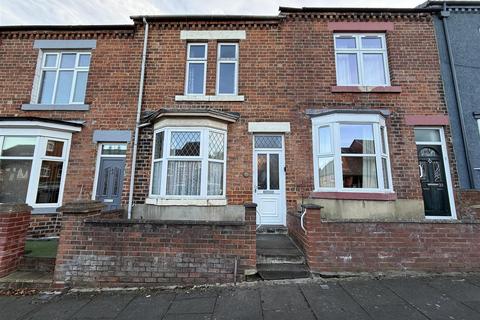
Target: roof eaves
107 27
207 18
355 10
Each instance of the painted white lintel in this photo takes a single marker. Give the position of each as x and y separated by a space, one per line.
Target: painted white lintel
269 127
213 35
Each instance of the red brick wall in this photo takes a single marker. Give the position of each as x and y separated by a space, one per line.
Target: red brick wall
284 69
112 91
375 246
44 225
469 204
114 253
13 230
287 68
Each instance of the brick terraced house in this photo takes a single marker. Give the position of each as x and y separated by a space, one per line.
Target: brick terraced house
332 121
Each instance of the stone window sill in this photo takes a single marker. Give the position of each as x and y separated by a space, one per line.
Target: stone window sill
186 202
366 89
55 107
44 210
224 98
377 196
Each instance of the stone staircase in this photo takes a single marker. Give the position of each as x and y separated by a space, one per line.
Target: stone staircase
277 256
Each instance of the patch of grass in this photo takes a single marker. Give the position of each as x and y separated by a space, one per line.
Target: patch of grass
41 248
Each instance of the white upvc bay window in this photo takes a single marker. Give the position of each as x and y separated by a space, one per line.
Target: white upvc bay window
33 166
196 75
361 60
188 163
351 153
62 77
227 69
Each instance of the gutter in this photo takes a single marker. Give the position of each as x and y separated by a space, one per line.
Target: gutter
444 14
137 122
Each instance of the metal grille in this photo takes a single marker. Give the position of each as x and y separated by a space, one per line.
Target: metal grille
185 144
268 142
216 145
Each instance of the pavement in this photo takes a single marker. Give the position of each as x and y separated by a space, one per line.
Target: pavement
407 298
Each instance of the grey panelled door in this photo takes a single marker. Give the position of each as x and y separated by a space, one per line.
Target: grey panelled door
110 182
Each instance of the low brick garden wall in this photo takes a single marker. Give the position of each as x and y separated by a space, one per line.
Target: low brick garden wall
14 221
380 246
96 252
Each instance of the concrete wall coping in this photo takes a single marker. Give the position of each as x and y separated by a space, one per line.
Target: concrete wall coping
6 208
250 205
311 206
127 222
82 206
425 221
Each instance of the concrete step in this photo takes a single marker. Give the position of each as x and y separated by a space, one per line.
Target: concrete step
283 271
27 279
272 229
280 256
277 248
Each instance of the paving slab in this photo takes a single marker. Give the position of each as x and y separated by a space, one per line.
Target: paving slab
238 304
18 308
147 307
193 306
378 301
283 298
62 308
188 317
331 301
104 306
428 300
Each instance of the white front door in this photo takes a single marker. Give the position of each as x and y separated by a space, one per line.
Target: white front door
269 179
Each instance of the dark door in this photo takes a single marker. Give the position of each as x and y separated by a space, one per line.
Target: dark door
432 178
110 182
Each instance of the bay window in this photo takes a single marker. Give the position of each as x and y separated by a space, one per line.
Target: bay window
188 163
351 153
361 60
33 166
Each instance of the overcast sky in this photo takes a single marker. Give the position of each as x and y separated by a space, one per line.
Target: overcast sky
31 12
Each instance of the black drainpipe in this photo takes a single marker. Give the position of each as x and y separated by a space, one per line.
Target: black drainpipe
444 15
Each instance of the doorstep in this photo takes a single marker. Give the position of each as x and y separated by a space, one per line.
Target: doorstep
279 258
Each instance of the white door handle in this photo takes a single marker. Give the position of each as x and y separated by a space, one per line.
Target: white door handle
421 170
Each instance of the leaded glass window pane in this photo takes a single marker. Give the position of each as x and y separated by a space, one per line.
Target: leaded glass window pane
216 145
185 144
268 142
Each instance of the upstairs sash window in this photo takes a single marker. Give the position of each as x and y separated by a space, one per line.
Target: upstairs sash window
63 77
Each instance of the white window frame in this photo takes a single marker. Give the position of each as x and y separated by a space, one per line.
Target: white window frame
359 53
233 61
203 158
334 121
196 61
42 136
446 166
41 68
